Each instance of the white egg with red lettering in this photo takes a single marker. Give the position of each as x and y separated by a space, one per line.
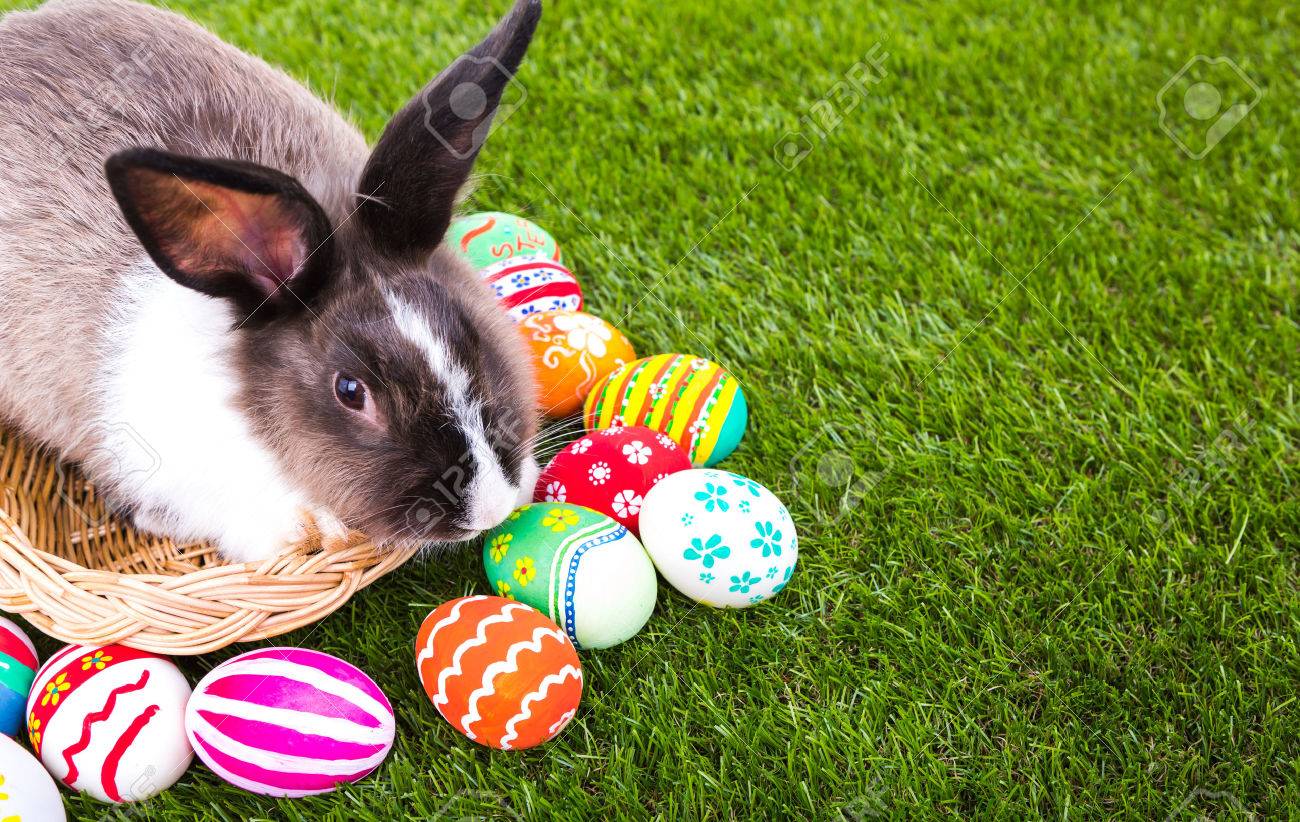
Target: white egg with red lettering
110 721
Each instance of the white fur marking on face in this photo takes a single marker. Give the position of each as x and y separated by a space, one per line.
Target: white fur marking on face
415 328
491 495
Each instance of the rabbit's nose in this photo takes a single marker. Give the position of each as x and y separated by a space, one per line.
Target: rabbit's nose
491 499
491 513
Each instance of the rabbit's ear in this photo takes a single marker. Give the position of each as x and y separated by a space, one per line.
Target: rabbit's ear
226 228
409 187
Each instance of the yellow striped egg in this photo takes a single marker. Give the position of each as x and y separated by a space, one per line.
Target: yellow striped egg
694 401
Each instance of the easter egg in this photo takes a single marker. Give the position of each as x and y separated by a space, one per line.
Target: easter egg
719 538
579 567
289 722
499 671
694 401
610 471
529 285
571 352
491 236
17 670
26 789
110 721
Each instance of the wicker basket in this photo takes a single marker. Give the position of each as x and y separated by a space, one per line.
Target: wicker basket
77 573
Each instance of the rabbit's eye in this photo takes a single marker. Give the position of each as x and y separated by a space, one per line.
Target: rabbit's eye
350 391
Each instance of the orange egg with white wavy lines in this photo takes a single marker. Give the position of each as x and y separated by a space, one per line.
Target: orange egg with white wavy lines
572 351
499 671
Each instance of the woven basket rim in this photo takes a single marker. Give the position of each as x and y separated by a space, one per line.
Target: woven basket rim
183 600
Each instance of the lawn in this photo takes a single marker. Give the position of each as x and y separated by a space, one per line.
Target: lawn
1021 366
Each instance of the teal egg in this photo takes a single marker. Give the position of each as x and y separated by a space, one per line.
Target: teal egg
489 237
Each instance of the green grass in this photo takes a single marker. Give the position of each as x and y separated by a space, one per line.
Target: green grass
999 624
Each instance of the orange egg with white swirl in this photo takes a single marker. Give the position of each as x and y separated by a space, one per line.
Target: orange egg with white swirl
572 351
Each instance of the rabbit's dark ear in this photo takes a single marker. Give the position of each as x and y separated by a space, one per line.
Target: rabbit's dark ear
226 228
409 187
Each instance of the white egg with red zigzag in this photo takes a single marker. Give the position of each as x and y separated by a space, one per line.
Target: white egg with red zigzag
109 721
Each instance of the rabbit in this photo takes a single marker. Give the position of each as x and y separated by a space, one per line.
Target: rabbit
240 320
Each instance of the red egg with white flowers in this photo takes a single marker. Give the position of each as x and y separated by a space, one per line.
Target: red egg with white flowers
611 471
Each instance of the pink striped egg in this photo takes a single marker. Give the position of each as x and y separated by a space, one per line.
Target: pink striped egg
532 284
109 721
289 722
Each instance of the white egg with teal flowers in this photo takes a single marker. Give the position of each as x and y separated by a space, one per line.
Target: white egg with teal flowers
719 538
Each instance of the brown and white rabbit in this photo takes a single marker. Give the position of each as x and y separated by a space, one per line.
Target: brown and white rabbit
228 309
